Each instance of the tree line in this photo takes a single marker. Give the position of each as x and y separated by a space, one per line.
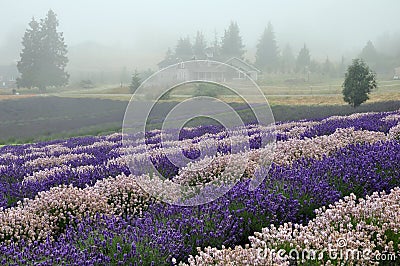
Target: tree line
269 56
44 58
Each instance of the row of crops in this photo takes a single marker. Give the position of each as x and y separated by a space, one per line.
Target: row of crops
332 184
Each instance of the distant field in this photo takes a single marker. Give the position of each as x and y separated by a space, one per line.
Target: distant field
279 93
65 112
35 118
43 118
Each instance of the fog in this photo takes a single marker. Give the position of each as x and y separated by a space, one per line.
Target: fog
108 35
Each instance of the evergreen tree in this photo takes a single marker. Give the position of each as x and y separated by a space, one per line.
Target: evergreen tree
199 46
314 67
146 74
135 82
216 48
288 60
184 49
169 54
43 57
267 55
232 45
358 83
370 55
28 65
328 68
303 59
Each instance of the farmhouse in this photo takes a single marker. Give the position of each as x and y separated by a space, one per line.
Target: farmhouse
8 76
245 67
396 73
207 70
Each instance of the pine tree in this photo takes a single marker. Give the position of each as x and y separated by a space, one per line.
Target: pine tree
28 65
43 58
216 48
184 49
370 55
169 54
135 82
267 55
303 59
328 68
288 60
232 45
199 46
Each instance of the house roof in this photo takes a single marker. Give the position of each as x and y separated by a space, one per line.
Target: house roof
169 61
201 66
204 66
239 63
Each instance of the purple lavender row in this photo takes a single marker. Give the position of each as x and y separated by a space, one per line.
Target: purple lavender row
380 122
342 228
98 155
166 233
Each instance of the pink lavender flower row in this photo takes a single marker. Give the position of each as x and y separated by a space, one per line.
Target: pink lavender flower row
163 232
350 231
290 193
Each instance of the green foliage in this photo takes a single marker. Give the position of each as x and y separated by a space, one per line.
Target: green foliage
267 56
216 47
27 66
328 68
369 54
135 82
206 90
199 46
358 83
43 57
303 59
145 74
116 246
211 90
232 45
184 49
287 60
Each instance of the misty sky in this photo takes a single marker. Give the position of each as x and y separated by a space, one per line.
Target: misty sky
137 33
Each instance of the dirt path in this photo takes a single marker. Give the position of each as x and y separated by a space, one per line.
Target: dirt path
15 97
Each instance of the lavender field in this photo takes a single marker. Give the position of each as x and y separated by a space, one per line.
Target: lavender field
333 183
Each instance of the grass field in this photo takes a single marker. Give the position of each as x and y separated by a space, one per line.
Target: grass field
280 93
41 118
45 118
67 112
